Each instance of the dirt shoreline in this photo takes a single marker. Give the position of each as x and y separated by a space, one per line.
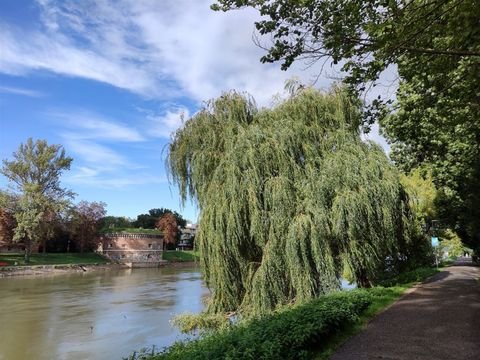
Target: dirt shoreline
57 269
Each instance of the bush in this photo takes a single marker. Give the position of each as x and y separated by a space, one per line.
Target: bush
419 274
291 333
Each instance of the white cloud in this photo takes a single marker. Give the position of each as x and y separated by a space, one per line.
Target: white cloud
88 125
21 91
154 48
94 178
172 49
168 123
93 153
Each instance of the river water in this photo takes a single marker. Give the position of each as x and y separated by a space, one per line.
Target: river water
97 315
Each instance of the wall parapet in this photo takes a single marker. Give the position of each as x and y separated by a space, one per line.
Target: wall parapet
132 236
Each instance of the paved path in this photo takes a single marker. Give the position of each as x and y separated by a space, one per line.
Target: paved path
439 320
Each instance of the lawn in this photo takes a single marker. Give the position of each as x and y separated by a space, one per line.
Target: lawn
53 259
180 256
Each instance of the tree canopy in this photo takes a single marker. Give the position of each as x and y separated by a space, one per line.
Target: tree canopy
365 36
436 126
167 223
35 172
434 44
149 221
287 196
85 221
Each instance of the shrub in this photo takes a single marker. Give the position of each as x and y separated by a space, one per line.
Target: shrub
287 334
419 274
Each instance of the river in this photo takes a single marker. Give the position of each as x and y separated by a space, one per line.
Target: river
96 315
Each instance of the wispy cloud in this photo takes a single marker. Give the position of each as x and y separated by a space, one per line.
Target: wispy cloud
100 179
88 125
165 125
100 147
157 49
93 153
21 91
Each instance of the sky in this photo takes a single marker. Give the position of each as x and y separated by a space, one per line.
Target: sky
110 80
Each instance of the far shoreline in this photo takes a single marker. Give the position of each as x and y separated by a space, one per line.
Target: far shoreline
58 269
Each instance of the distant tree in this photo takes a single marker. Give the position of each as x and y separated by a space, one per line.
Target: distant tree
110 223
149 221
85 223
169 226
145 221
7 226
452 244
35 174
422 194
8 203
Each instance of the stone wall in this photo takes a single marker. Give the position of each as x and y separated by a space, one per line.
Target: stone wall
132 247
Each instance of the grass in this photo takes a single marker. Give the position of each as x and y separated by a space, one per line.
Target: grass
53 259
180 256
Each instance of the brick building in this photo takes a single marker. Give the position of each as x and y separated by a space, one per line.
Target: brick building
134 248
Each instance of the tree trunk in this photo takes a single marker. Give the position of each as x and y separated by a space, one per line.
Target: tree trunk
82 243
362 279
28 250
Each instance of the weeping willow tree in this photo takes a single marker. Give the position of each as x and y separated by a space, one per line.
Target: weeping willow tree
287 196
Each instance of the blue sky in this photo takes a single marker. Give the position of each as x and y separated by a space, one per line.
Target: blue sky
110 81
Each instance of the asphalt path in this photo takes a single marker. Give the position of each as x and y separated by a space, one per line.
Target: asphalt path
438 320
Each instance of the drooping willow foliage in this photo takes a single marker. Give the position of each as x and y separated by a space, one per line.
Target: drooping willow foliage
287 196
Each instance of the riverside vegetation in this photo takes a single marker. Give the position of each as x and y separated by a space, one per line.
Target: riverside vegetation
304 331
291 198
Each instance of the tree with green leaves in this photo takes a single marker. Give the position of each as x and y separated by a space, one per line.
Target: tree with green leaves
35 174
434 45
113 223
436 126
365 36
287 196
150 220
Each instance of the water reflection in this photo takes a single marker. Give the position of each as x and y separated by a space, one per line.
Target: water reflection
94 315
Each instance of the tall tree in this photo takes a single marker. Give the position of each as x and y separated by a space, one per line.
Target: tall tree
434 44
285 196
35 174
169 226
436 125
85 223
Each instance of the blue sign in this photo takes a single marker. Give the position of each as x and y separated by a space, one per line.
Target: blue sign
434 241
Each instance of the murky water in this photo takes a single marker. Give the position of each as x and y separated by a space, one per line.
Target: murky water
101 315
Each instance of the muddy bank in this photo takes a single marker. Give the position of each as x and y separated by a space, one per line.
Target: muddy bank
56 269
33 270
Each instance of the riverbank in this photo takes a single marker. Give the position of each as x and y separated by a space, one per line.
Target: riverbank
310 330
53 264
56 269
